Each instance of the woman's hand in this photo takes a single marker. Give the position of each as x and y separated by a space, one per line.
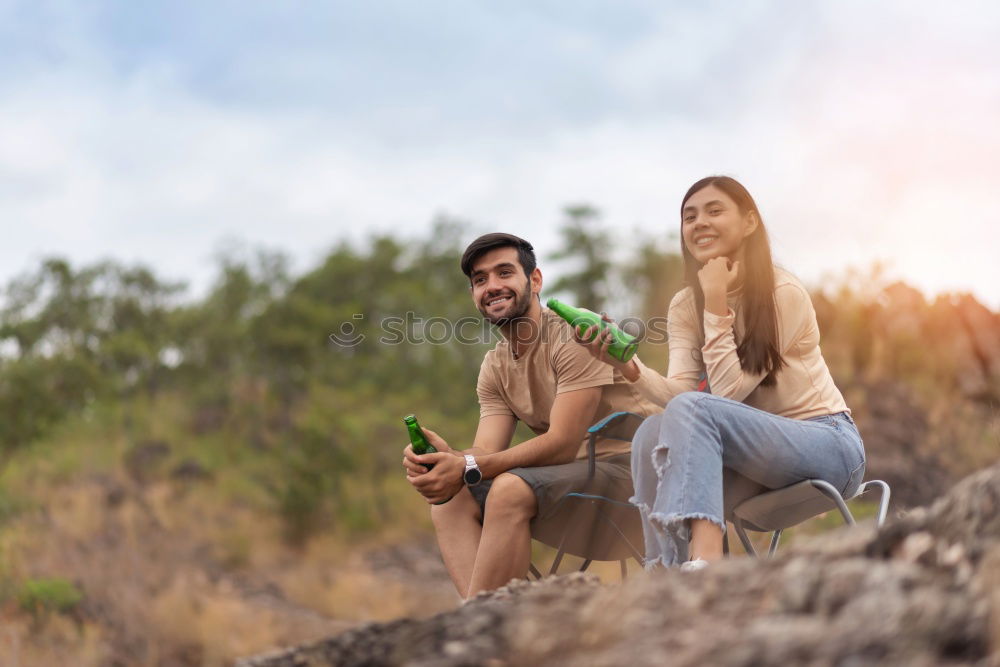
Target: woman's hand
597 341
716 277
718 274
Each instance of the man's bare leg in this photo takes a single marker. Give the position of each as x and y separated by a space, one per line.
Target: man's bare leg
458 525
505 546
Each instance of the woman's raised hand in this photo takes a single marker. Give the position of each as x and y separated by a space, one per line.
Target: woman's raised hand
718 275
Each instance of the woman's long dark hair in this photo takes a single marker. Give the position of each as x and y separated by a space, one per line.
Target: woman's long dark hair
758 349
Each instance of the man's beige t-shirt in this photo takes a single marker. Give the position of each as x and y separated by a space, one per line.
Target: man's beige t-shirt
527 387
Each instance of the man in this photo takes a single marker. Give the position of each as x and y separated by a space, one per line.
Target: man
537 373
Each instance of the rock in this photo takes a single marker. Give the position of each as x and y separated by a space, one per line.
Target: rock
923 590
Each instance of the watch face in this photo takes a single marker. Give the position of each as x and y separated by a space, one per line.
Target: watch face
473 476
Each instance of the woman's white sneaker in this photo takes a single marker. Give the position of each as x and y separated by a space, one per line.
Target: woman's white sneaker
694 565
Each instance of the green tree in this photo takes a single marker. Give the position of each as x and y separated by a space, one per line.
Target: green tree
590 247
73 336
652 278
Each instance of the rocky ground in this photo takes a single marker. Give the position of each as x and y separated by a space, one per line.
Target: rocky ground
923 590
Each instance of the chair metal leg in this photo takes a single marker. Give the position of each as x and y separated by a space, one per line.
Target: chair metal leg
624 565
883 503
635 552
725 544
560 552
586 564
534 570
775 536
742 534
831 492
557 561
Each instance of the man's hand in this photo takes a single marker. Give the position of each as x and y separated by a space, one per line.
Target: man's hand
445 480
412 462
597 341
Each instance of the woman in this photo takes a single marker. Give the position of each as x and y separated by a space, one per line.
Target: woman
769 410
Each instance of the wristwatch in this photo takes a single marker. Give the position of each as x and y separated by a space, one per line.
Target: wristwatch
473 475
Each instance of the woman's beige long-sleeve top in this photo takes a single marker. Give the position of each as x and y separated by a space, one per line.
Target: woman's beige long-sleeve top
804 387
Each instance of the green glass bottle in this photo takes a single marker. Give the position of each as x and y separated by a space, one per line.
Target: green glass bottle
623 345
421 445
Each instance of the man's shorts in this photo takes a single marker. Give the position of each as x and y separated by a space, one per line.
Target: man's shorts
612 479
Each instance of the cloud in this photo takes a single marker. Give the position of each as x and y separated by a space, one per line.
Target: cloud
151 131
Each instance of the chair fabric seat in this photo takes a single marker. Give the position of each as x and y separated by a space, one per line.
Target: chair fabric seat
588 526
784 508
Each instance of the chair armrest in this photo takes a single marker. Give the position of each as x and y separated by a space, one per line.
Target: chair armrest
618 426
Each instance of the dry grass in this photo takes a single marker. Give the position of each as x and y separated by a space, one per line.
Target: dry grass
182 572
172 575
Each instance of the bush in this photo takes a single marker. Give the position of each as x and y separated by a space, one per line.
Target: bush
41 597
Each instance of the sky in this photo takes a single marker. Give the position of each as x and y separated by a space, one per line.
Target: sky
165 132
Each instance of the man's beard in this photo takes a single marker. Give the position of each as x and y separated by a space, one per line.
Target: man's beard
522 302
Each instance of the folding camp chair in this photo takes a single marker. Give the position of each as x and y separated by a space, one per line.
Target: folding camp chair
597 527
588 523
774 511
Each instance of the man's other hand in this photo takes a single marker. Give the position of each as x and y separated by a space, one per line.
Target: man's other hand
413 468
411 461
444 481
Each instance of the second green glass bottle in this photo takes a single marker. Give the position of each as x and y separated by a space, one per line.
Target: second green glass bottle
623 345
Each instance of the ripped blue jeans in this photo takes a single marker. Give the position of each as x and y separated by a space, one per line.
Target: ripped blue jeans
678 459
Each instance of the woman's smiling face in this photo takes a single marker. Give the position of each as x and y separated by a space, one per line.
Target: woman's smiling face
712 225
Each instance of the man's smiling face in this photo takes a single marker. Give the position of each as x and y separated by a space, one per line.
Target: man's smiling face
500 289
